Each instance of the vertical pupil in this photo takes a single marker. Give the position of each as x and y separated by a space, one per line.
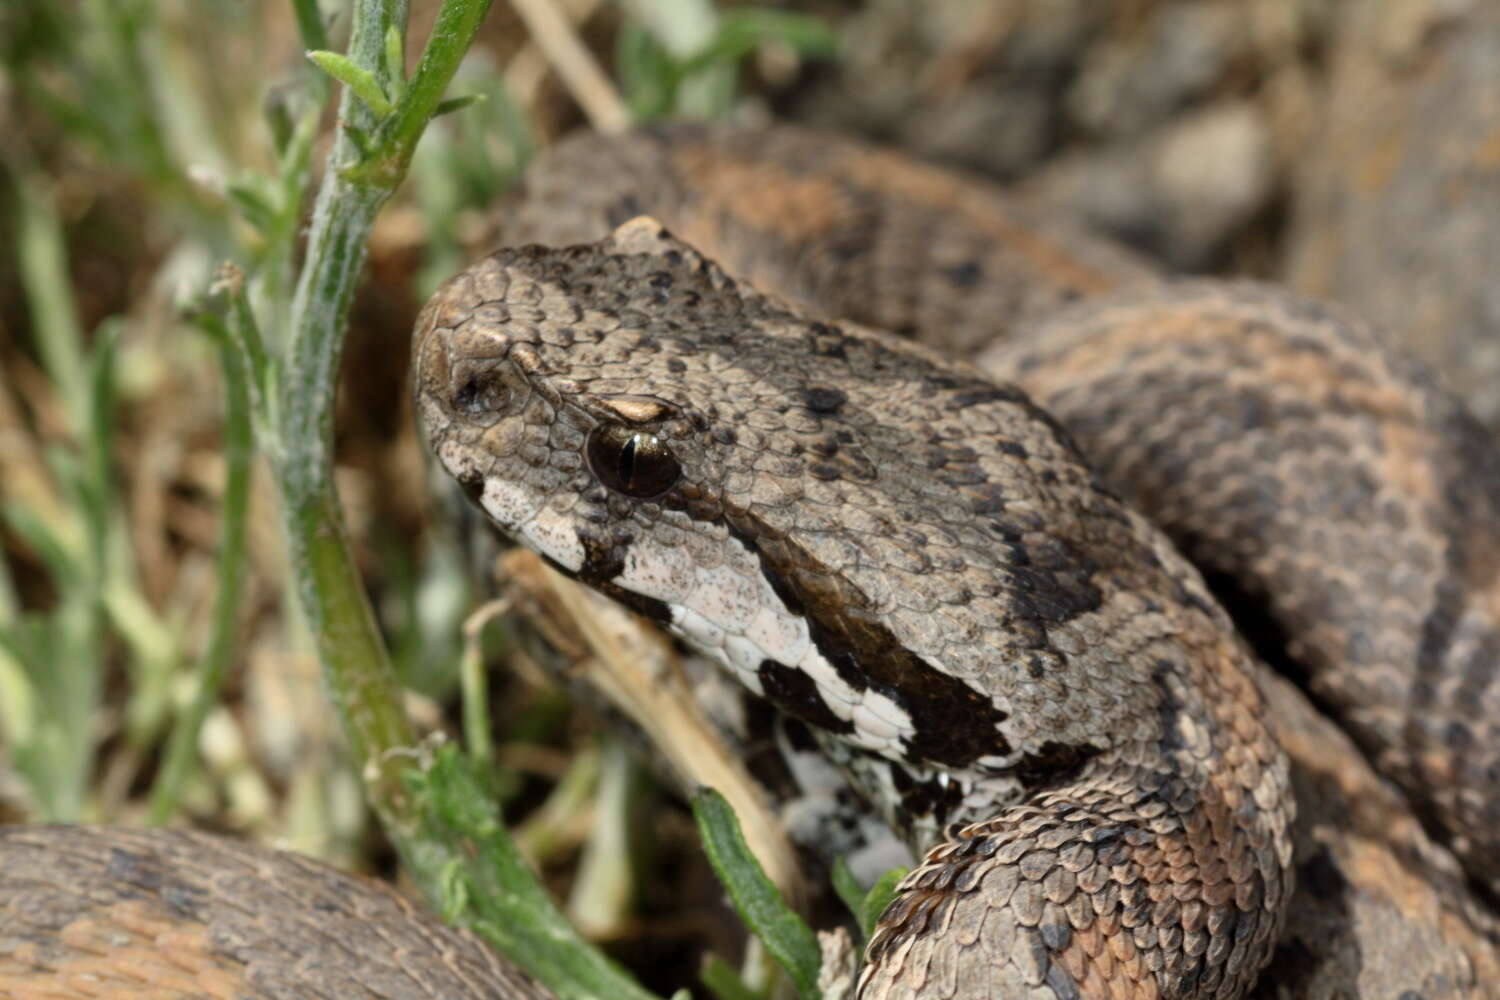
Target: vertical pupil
627 458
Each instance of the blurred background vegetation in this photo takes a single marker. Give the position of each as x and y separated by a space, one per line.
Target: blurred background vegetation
149 142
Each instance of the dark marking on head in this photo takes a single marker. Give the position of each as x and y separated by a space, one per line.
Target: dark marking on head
824 447
824 399
602 572
603 558
826 341
472 483
796 693
1169 708
925 797
155 876
798 736
1050 594
955 724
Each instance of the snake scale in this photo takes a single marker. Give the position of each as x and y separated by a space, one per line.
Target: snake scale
965 576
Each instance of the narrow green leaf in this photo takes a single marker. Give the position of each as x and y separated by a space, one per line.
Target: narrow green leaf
41 258
649 75
494 891
458 103
253 204
809 35
98 433
355 77
395 62
20 711
37 533
878 898
786 936
214 668
724 982
848 888
740 32
310 24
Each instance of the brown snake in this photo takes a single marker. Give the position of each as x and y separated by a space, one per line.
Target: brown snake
916 560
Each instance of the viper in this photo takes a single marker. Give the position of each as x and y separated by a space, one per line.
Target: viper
1012 525
966 579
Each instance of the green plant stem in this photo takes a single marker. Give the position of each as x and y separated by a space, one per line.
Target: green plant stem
488 886
310 24
338 612
455 27
467 851
238 450
43 265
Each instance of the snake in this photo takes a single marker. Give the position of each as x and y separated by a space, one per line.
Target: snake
1014 525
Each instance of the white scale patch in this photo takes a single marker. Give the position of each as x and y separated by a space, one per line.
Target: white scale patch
648 573
880 716
547 530
730 613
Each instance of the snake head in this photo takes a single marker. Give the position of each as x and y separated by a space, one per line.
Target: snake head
889 546
533 374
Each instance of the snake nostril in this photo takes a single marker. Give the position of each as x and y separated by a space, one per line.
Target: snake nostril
478 395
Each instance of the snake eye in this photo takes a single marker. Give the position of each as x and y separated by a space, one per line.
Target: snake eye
629 461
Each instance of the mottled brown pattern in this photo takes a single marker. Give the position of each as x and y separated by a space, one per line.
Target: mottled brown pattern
1401 923
1379 910
1285 448
848 230
108 914
966 530
1127 835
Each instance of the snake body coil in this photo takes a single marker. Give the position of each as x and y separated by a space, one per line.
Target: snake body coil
915 560
1013 665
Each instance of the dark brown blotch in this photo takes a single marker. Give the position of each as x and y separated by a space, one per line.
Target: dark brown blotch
796 693
1053 764
824 398
955 724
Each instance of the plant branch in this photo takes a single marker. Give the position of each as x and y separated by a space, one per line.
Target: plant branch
238 451
354 657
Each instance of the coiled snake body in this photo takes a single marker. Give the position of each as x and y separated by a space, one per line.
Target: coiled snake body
910 555
916 560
